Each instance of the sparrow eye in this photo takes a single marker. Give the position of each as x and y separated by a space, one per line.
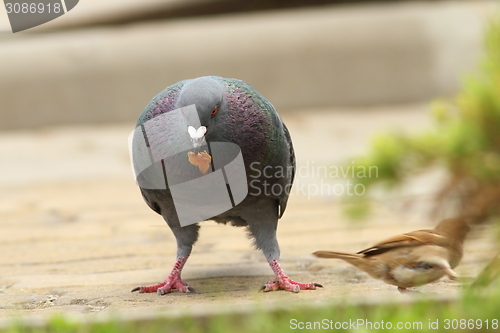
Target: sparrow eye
215 111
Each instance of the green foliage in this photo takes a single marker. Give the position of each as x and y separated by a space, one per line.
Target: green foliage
465 142
471 312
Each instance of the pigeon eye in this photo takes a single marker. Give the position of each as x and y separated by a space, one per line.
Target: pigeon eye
215 111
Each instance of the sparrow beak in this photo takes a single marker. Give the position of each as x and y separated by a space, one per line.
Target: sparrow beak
197 135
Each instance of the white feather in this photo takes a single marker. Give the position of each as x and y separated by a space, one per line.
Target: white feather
192 132
197 133
201 131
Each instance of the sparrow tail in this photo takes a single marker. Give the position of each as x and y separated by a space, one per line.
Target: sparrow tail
337 255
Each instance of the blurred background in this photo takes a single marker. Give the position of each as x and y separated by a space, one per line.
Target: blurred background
72 89
102 62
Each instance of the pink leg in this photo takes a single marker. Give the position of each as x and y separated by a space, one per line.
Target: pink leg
284 282
173 281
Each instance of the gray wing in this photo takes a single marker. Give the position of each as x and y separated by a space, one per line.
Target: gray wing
161 103
279 151
284 198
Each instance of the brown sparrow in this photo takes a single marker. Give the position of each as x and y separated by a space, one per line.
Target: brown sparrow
412 259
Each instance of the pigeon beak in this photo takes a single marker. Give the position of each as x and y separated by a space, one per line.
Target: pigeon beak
197 135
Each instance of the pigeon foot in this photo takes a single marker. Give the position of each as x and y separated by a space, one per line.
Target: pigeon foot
284 282
172 282
166 287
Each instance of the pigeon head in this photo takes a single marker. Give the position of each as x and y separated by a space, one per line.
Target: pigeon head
207 94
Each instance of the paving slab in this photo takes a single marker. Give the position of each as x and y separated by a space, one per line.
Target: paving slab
76 236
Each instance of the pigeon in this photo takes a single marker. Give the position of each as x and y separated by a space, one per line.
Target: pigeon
231 113
412 259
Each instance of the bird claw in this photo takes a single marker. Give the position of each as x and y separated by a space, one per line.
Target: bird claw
284 282
272 286
166 287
